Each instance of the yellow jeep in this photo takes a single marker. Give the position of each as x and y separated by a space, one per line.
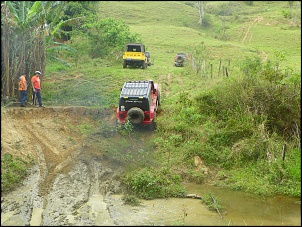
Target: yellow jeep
135 55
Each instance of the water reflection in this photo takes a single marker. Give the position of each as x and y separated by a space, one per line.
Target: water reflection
246 209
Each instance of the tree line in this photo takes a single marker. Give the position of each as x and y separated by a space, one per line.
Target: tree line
32 33
28 36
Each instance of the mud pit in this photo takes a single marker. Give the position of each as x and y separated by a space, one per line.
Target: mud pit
73 182
69 173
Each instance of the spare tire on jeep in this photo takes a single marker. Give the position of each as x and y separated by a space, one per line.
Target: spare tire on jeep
180 59
135 115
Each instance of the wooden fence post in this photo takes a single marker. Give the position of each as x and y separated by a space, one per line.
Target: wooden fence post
219 67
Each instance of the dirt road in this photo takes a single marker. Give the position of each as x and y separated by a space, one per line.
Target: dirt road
73 182
70 173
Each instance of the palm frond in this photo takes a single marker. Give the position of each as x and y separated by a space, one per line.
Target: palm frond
33 11
61 47
60 60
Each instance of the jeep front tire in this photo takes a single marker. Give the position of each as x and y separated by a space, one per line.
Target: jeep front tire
124 64
152 126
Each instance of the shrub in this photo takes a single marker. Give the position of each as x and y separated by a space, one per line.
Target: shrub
13 169
131 200
108 36
209 200
149 183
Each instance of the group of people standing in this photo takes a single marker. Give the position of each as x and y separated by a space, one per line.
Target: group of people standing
36 85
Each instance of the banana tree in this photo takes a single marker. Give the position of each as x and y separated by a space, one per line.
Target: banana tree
26 28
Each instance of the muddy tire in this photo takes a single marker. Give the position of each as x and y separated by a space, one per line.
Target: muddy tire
144 65
124 64
135 115
153 126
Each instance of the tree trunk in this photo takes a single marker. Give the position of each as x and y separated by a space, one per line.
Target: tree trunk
201 8
5 43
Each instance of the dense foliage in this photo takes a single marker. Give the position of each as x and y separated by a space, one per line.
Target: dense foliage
13 170
245 127
149 183
27 30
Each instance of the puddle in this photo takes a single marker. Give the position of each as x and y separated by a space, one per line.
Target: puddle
245 209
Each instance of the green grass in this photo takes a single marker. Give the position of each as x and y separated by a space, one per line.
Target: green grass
164 34
232 34
13 170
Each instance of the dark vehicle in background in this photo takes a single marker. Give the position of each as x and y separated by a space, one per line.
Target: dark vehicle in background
180 59
138 102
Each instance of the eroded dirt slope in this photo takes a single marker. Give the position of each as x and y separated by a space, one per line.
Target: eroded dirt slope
73 181
69 170
50 135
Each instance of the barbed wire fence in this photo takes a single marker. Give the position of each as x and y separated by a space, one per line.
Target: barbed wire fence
207 69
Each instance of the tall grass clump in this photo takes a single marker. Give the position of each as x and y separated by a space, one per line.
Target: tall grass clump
252 120
256 122
13 170
151 183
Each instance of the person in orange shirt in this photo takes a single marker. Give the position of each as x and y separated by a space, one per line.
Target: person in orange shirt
22 89
36 84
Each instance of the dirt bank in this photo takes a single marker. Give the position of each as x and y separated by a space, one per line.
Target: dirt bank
73 182
70 170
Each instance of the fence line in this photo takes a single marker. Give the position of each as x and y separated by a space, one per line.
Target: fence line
200 68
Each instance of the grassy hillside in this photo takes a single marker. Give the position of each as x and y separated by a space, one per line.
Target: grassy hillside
234 124
168 27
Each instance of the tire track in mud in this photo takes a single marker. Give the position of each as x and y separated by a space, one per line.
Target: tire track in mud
166 81
265 56
69 182
254 23
164 84
50 159
248 32
79 186
90 180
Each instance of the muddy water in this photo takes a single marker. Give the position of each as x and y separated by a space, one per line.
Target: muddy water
71 202
244 209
